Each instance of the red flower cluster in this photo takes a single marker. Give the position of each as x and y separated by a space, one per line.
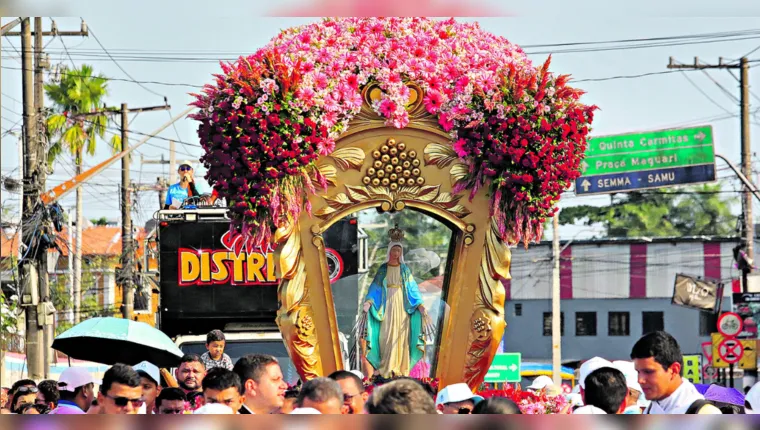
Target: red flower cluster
257 158
531 403
526 152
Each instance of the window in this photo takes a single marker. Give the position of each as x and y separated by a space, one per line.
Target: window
652 321
518 309
708 323
619 324
548 323
585 323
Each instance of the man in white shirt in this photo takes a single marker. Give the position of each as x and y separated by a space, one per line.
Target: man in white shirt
658 361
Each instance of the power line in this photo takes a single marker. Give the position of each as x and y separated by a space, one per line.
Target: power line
121 68
170 84
705 94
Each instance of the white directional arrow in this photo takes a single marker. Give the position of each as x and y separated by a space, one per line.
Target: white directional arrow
584 166
585 184
513 368
700 136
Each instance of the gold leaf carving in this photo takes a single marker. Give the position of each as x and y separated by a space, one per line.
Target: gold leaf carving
329 172
325 211
347 158
428 193
460 211
337 201
295 316
439 154
447 200
458 171
358 194
487 320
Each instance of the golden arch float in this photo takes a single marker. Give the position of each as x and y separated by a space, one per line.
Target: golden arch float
316 128
475 325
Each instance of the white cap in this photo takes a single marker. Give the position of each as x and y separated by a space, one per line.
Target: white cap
357 373
753 398
456 393
149 370
589 410
186 162
589 366
214 409
541 382
75 377
630 373
305 411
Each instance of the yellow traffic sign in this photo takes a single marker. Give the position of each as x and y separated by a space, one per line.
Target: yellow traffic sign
692 368
749 356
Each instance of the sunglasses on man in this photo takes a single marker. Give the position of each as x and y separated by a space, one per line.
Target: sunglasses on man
185 168
123 401
27 390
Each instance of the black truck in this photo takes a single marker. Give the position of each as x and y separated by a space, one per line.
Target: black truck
206 284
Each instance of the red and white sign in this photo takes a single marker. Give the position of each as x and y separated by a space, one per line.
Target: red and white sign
730 324
731 350
707 351
709 372
334 264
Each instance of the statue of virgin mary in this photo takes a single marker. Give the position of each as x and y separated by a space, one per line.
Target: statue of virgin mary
394 334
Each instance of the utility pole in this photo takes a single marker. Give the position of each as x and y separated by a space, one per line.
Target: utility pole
127 245
160 186
39 105
172 162
556 313
128 298
71 265
748 227
28 266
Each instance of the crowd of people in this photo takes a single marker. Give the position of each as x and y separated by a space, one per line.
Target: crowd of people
651 383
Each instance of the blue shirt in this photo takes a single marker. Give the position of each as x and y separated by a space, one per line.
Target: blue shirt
176 194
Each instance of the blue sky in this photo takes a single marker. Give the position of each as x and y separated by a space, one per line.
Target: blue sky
654 102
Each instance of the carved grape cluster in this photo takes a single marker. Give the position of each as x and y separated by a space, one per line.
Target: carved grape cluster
305 325
394 166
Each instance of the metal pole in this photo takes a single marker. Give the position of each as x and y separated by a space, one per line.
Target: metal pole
128 298
748 223
34 342
172 164
70 281
161 184
731 375
39 101
556 314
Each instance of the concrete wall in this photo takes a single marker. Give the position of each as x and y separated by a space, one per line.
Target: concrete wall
524 333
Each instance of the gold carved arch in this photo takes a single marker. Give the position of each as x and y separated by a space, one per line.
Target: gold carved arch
474 325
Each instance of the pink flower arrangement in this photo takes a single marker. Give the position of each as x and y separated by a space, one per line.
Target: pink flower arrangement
520 130
529 402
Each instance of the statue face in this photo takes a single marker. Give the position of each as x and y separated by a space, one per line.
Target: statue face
395 255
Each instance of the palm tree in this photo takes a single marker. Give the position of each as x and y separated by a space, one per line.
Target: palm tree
75 125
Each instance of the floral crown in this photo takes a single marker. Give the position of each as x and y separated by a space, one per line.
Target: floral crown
396 234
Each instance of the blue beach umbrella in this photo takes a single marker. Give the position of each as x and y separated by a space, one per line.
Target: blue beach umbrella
111 340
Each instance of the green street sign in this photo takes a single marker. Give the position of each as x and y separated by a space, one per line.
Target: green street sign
505 368
651 159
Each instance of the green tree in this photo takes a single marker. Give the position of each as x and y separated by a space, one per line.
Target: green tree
59 294
102 221
75 124
695 211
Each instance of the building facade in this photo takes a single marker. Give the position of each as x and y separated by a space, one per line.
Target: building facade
612 292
